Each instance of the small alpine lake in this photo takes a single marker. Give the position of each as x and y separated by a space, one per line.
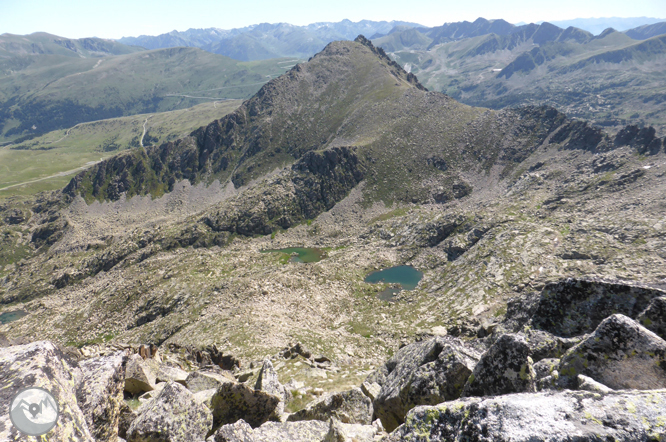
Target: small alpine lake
7 317
407 276
300 254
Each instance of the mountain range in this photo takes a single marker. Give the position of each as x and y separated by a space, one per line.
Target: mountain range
611 79
266 40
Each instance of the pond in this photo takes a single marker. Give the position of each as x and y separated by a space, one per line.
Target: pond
406 276
8 317
300 254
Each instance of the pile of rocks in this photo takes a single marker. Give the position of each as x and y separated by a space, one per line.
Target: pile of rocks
598 372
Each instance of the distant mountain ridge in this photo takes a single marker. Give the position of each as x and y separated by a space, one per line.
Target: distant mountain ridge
272 40
266 40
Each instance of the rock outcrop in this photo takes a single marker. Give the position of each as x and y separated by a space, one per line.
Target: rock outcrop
268 381
573 307
553 416
202 380
139 378
350 407
232 402
173 416
423 373
99 394
620 354
505 368
41 364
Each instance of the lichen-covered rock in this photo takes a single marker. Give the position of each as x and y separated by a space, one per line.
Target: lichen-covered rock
127 416
268 382
550 416
339 432
654 317
545 367
41 364
351 407
573 307
166 373
544 345
239 431
232 402
371 389
206 380
139 378
172 416
589 384
505 368
205 396
619 354
303 431
99 393
422 373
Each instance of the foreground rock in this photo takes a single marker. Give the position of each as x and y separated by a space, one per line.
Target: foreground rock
41 364
139 378
620 354
505 368
173 416
207 380
268 382
576 306
300 431
552 416
423 373
99 393
350 407
232 402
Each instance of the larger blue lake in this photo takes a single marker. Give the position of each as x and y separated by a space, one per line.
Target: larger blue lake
407 276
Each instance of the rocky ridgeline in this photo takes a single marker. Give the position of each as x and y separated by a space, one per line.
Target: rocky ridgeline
584 360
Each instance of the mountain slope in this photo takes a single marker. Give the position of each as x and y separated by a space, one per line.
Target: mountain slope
610 79
350 154
647 31
54 94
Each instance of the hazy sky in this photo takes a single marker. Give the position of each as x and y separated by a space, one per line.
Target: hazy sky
118 18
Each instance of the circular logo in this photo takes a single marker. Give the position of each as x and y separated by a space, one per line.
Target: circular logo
34 411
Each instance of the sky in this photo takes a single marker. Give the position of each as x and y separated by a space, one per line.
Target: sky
124 18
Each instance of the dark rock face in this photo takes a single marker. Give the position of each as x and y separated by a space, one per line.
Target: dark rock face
423 373
550 416
350 407
174 415
643 139
505 368
232 402
99 393
620 354
578 134
575 306
314 184
654 317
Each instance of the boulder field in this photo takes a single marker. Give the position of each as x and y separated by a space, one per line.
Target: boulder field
598 373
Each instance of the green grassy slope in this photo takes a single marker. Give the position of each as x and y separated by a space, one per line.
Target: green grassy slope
57 92
48 162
